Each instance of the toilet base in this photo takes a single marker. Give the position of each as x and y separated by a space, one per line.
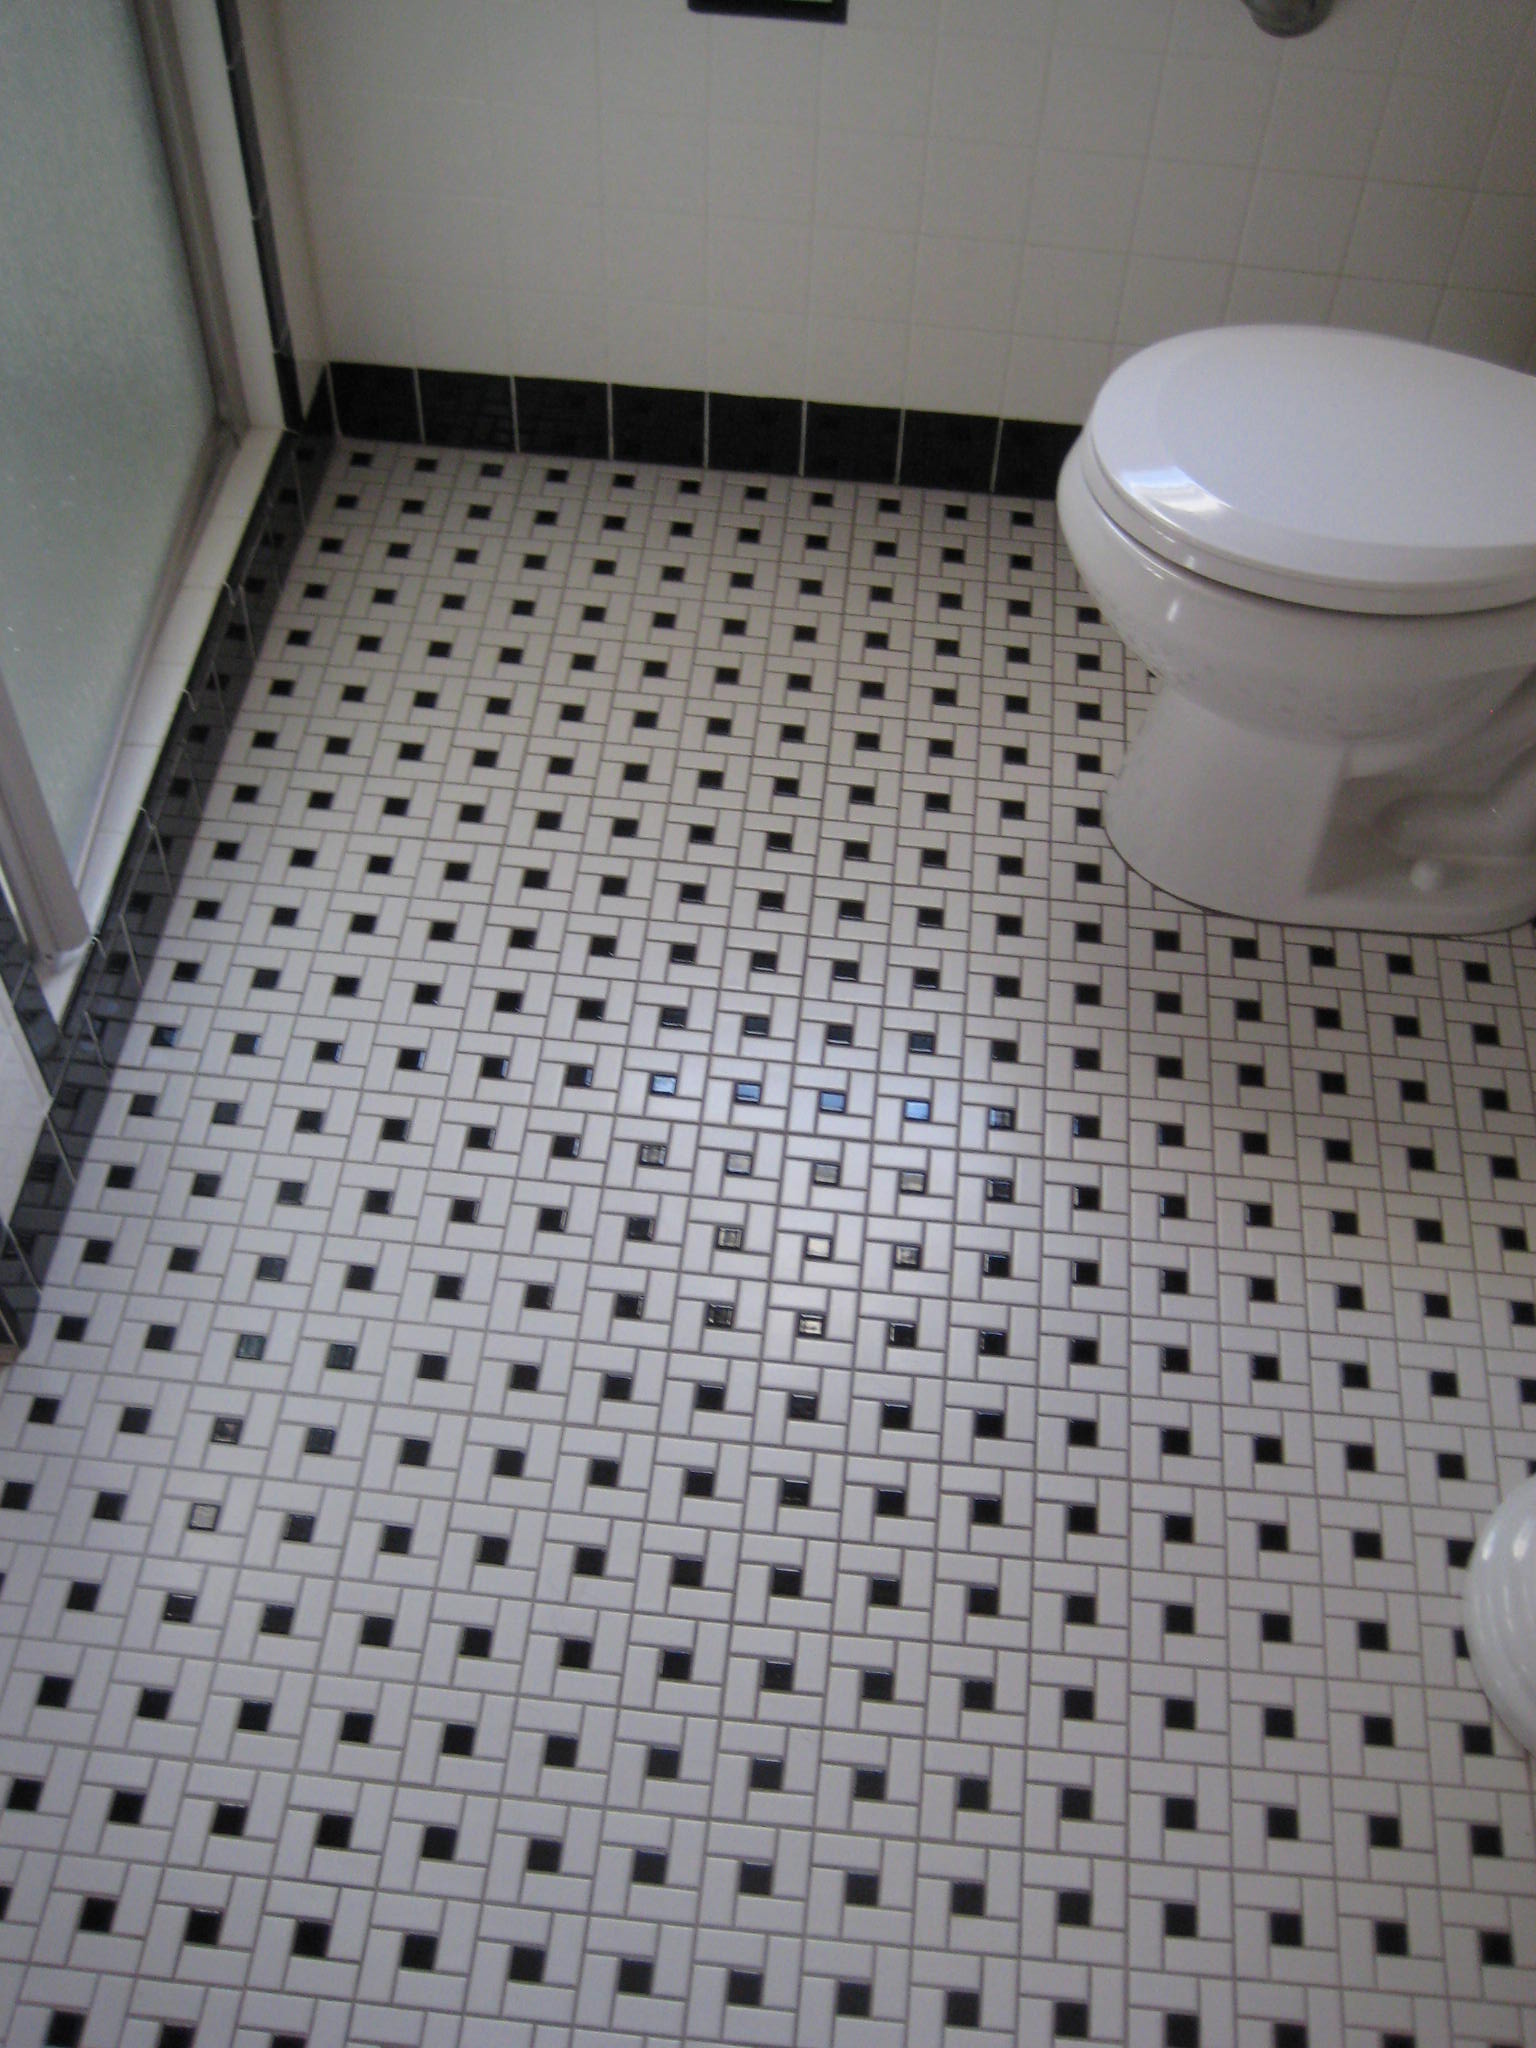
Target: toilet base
1258 824
1500 1608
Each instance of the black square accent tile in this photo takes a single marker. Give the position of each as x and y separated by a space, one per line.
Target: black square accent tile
855 442
466 409
375 402
561 416
1030 457
652 425
761 434
947 450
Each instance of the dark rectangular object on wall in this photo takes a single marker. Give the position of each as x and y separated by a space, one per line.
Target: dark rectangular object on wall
1030 459
466 409
776 10
947 451
658 426
854 442
375 402
561 416
761 434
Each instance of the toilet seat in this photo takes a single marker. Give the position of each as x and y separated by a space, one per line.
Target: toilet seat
1318 466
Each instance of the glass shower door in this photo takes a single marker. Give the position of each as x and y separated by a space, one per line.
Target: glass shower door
108 423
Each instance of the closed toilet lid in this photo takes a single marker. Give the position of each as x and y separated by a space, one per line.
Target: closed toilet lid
1324 467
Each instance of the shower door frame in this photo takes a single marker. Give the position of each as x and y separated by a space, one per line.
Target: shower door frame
44 890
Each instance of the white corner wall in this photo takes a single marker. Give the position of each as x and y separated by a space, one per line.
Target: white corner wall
966 205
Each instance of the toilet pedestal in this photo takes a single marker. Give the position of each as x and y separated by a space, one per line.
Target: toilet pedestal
1258 824
1500 1605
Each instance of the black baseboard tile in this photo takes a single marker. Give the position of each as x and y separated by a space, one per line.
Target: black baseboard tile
466 409
561 416
758 434
653 425
320 420
768 436
947 451
1030 457
375 402
852 443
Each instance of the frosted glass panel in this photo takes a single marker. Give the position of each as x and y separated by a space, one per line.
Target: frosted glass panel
105 402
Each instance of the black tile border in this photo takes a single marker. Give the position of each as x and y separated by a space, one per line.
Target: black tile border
562 416
853 443
948 451
460 409
654 426
77 1058
699 430
761 434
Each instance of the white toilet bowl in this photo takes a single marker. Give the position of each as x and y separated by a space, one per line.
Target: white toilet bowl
1324 546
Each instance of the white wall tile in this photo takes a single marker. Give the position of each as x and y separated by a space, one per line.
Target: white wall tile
1510 165
1052 379
648 254
1100 98
1434 134
760 172
765 264
1324 121
1034 19
465 319
1164 297
1365 38
988 88
855 362
1500 325
542 149
1142 25
869 180
1068 292
664 343
1380 306
549 249
877 79
964 283
858 274
553 334
1278 295
1083 201
1189 210
650 61
763 71
1408 232
974 189
1211 110
755 354
367 315
582 147
657 164
951 369
1497 251
1299 222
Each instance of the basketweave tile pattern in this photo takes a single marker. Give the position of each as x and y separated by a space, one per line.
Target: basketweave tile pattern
708 1383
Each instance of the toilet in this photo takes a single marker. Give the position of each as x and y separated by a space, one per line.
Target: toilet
1323 545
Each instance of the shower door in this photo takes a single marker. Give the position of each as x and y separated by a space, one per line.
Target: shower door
110 434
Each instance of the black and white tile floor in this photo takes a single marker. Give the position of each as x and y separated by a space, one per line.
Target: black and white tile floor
710 1384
